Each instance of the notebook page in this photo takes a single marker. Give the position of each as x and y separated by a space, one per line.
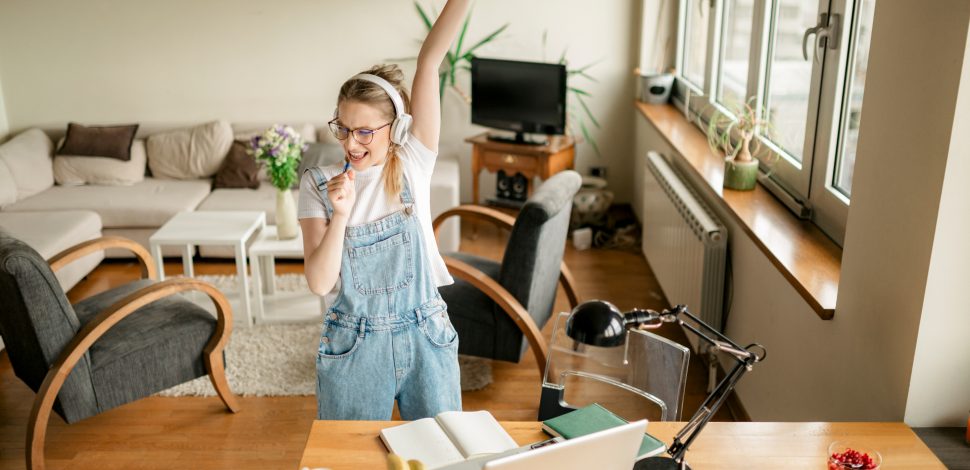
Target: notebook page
422 440
476 432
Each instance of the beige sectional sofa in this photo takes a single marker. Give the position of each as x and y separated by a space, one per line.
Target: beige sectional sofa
51 217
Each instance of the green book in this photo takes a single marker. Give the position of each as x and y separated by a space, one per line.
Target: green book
594 418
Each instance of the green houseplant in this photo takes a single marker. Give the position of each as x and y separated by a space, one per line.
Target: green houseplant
735 134
581 114
460 58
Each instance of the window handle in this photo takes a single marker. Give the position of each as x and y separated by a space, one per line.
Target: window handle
826 34
813 30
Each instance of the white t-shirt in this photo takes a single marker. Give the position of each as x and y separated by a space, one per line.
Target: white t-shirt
372 201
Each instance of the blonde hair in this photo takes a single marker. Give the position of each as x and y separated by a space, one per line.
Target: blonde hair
369 93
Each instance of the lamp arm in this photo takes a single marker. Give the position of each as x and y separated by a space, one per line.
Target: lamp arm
734 349
706 411
745 360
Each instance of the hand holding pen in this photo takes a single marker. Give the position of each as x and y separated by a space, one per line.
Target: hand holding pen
342 191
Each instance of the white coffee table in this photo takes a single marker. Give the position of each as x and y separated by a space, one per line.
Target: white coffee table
262 255
191 229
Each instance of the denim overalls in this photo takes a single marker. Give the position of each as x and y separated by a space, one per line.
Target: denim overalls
387 334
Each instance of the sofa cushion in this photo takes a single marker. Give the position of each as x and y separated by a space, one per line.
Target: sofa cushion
148 203
77 170
316 154
319 154
235 199
8 187
444 196
51 232
190 153
239 169
99 141
28 157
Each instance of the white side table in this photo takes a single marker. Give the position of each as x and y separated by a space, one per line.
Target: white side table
189 229
261 258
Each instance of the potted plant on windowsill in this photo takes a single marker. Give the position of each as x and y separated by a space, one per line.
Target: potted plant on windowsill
281 149
735 135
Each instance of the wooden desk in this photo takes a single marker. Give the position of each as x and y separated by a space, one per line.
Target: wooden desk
355 444
530 160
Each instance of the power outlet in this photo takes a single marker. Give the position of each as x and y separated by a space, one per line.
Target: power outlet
599 171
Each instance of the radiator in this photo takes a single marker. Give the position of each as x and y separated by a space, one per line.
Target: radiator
685 244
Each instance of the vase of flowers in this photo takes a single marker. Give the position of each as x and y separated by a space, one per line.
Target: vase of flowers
280 149
735 135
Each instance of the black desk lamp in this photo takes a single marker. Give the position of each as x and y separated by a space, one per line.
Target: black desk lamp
600 323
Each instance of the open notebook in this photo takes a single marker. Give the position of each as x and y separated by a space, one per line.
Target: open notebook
450 437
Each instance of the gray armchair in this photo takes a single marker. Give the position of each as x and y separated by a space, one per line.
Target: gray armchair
109 349
492 305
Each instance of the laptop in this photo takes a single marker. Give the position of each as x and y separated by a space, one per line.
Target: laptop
614 448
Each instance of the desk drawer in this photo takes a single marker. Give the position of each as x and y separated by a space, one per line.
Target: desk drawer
509 161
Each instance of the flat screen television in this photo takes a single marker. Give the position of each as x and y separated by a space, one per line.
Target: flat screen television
523 97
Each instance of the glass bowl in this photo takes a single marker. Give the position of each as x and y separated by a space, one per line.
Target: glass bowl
850 455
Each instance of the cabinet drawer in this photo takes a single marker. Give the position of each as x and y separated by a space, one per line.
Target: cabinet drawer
508 161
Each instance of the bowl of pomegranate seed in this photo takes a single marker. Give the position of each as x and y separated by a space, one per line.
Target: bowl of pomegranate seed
847 455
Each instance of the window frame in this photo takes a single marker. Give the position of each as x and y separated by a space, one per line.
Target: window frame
809 183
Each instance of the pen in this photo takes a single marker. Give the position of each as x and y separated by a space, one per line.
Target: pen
346 166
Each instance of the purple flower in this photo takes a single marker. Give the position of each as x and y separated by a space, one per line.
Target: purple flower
273 151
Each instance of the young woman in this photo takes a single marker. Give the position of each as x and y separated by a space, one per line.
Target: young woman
367 235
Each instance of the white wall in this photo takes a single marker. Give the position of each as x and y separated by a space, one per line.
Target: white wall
940 385
4 127
896 200
182 61
904 270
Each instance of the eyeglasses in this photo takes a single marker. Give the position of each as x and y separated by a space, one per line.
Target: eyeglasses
362 135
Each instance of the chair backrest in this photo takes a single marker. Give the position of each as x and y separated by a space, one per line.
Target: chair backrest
661 368
37 322
530 266
644 378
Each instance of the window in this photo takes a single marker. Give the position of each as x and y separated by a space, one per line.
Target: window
752 51
695 44
732 82
852 105
789 75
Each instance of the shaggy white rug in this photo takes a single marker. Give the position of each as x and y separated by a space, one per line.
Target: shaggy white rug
279 359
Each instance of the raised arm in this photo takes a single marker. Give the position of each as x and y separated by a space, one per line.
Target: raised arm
425 98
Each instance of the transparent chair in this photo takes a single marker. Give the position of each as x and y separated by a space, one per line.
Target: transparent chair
644 378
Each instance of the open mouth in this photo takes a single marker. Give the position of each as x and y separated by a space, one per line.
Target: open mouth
356 157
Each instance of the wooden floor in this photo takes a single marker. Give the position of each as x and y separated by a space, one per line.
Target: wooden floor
269 433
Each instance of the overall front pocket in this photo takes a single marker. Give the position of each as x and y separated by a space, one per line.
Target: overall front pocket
383 267
338 342
439 330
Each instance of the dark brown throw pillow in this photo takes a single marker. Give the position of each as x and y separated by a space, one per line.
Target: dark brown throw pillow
99 141
238 170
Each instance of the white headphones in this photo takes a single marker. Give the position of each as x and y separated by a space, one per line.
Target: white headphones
401 126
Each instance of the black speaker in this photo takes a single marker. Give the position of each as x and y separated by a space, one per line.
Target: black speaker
520 187
503 185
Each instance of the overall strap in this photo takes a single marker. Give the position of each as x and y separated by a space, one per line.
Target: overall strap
406 197
321 183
